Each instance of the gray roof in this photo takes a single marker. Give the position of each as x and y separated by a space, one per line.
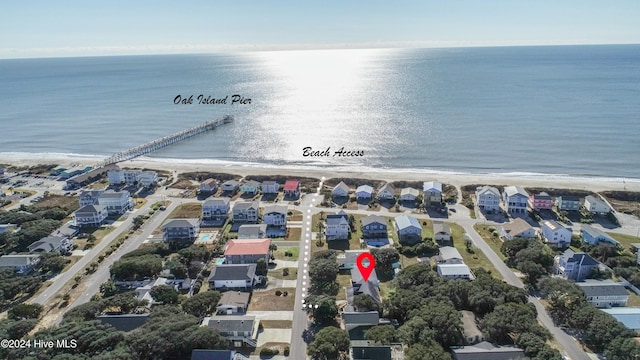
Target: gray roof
17 260
181 223
124 322
335 219
231 323
365 188
48 244
90 209
341 185
252 229
449 252
487 351
216 201
361 318
91 193
602 288
235 298
110 194
233 272
370 352
406 221
578 257
280 209
387 187
244 205
515 190
487 189
441 227
542 196
592 199
252 183
569 198
234 183
629 316
432 185
596 233
367 220
410 191
454 269
269 183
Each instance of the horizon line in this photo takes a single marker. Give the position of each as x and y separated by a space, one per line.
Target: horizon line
108 51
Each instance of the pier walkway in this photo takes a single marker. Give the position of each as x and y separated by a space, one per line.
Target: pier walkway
158 144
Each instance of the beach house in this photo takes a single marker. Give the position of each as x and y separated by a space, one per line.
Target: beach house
568 203
148 178
555 234
488 199
518 228
216 209
409 194
604 293
291 188
90 215
541 201
270 187
594 236
364 192
275 215
432 191
252 231
340 190
572 265
233 302
174 229
239 331
515 199
374 227
247 251
487 351
246 211
454 271
386 192
596 205
233 276
50 244
89 197
251 187
209 186
408 229
116 202
230 186
449 255
337 226
371 286
442 233
20 263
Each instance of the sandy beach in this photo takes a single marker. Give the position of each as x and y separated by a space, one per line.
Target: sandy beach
457 179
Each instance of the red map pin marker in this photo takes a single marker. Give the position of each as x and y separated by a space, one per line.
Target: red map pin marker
366 263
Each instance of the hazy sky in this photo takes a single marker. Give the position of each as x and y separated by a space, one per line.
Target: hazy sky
69 28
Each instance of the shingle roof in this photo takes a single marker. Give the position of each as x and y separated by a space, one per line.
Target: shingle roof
341 185
596 233
17 260
244 205
251 229
552 224
279 209
252 183
454 269
231 323
248 247
373 219
406 221
487 351
579 257
439 227
235 298
516 227
124 322
110 194
487 189
233 272
365 188
48 243
387 187
291 185
92 209
602 288
629 316
449 252
409 191
513 190
216 201
432 185
181 223
206 354
361 318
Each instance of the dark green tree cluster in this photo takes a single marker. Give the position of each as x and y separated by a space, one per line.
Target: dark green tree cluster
35 223
323 271
14 286
123 303
599 330
136 267
530 256
428 309
330 343
385 258
201 304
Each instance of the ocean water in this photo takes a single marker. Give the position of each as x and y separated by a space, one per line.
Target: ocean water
561 110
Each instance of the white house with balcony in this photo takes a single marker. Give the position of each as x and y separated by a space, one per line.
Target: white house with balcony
555 234
216 209
515 199
488 199
337 226
275 215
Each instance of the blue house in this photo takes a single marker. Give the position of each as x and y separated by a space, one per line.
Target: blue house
593 236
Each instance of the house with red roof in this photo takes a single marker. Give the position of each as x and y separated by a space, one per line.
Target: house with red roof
292 188
247 251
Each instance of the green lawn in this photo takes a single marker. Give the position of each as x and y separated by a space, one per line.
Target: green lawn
473 260
494 242
624 239
293 274
634 300
427 230
344 281
294 250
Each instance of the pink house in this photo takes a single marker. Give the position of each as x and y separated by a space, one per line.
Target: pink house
541 201
292 188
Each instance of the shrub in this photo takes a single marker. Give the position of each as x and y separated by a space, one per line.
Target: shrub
286 351
285 272
278 292
269 352
285 293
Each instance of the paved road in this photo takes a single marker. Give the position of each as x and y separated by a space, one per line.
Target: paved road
78 267
570 346
300 319
102 274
